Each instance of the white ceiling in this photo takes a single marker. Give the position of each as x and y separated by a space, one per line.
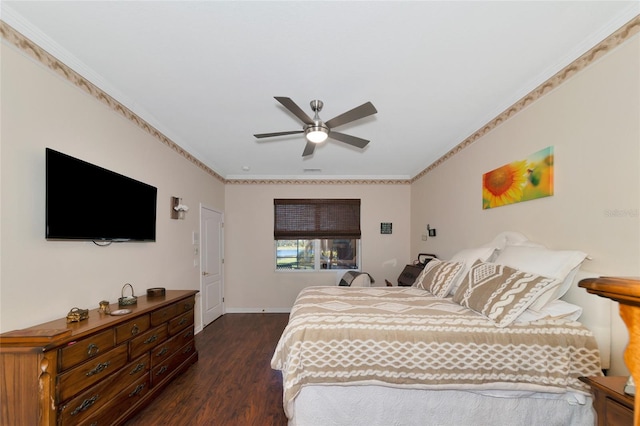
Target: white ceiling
204 73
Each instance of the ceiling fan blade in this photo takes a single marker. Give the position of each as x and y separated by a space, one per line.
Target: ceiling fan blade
295 109
357 113
348 139
268 135
309 148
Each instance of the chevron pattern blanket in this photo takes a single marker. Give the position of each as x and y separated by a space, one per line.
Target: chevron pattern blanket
406 337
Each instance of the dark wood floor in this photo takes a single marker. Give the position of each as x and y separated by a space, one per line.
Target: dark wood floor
232 383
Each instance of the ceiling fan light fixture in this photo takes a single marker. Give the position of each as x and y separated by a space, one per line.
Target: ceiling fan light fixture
316 134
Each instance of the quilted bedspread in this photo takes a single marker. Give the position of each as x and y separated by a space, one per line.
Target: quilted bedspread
406 337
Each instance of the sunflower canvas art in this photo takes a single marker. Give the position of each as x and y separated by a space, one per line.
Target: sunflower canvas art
521 180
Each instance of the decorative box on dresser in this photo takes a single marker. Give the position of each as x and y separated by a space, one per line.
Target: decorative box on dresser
625 291
99 371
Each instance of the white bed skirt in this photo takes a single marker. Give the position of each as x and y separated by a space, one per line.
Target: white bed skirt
371 405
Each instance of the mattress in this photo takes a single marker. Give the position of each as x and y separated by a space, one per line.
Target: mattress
374 405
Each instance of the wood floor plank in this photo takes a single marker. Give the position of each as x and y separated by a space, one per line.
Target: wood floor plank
231 384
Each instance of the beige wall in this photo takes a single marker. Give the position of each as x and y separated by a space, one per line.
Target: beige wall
593 123
42 280
253 285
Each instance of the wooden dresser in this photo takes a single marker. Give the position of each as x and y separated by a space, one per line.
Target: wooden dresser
99 371
626 291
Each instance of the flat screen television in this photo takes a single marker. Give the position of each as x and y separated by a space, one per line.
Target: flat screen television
87 202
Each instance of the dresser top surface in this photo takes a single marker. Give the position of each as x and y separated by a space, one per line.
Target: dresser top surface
56 332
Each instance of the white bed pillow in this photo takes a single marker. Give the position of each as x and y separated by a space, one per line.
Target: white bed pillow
506 238
561 265
556 309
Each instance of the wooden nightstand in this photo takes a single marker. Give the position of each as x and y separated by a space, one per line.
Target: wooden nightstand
409 275
625 291
613 407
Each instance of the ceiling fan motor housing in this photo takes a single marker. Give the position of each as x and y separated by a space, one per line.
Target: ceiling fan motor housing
316 106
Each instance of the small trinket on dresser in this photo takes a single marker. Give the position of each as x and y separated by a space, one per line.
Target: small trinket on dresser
77 315
104 307
156 292
127 300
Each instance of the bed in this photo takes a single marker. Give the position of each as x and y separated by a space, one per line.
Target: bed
477 340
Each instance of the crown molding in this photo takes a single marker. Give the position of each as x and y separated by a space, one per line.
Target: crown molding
318 181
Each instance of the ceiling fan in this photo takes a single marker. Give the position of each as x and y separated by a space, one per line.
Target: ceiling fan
317 131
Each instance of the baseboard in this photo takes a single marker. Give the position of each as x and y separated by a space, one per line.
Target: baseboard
228 310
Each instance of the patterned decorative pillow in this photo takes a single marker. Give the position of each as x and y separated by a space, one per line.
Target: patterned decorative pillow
419 282
499 292
438 277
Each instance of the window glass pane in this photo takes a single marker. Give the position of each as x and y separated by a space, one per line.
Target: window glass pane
339 254
295 254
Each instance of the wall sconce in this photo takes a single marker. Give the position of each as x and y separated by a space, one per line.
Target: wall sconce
178 210
430 233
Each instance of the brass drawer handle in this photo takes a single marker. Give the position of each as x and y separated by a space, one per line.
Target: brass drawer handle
137 390
182 321
85 404
163 351
135 330
138 369
188 334
187 349
151 339
188 306
99 368
162 370
92 349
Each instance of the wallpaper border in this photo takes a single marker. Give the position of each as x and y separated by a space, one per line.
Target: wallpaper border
33 50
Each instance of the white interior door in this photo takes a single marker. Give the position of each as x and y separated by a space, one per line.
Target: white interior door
211 259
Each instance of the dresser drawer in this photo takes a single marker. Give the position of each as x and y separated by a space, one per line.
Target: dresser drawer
163 315
164 370
85 375
132 328
89 402
118 406
168 348
146 341
186 305
79 351
185 336
180 322
617 414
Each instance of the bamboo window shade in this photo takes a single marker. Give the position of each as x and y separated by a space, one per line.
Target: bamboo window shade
316 218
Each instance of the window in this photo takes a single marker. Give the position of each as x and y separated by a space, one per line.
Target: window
316 234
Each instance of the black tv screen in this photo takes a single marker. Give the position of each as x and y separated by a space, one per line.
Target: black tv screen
87 202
